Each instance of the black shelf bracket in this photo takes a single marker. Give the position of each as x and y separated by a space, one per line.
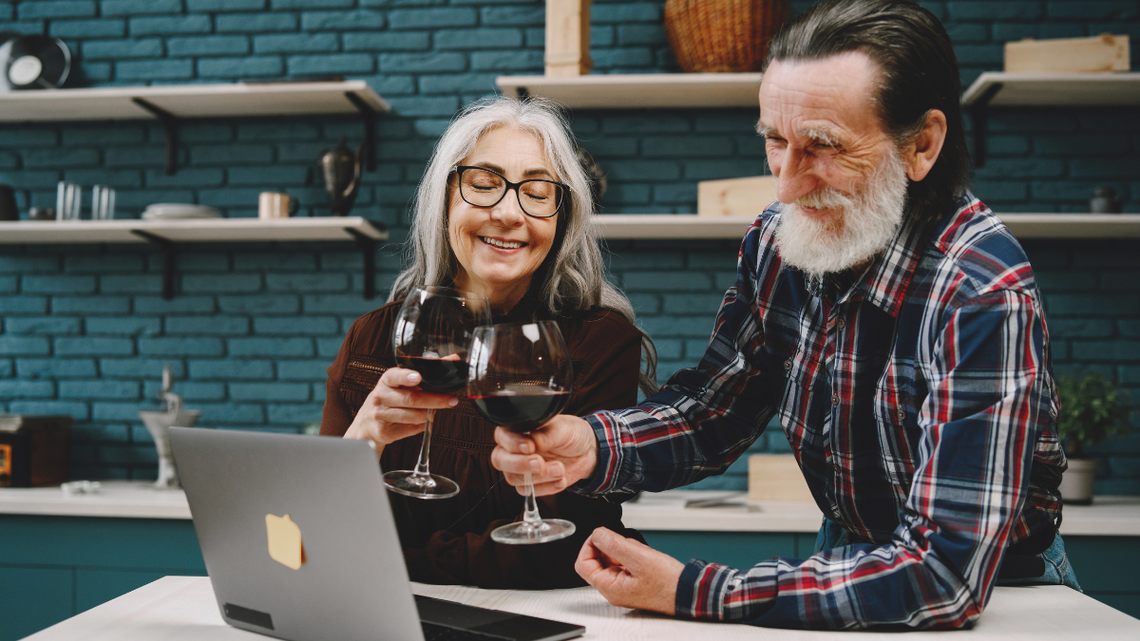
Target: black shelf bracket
980 112
168 253
170 125
368 114
367 246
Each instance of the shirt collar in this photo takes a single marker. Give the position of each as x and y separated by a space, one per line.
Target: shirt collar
885 283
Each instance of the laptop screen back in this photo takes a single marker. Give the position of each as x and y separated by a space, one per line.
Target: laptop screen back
297 535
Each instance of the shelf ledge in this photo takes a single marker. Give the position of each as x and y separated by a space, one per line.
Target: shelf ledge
189 101
1023 226
1000 89
199 230
167 234
639 91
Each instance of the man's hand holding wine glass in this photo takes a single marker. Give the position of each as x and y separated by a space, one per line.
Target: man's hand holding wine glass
396 409
557 455
562 452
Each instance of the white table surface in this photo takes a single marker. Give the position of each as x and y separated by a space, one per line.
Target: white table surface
1107 516
184 608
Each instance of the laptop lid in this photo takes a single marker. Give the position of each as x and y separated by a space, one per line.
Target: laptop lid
297 535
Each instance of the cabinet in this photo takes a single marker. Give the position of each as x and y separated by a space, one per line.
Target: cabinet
62 555
709 90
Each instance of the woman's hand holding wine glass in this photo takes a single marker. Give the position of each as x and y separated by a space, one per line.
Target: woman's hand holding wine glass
431 335
396 409
520 377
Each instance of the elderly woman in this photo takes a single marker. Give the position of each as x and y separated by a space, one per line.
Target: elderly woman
481 226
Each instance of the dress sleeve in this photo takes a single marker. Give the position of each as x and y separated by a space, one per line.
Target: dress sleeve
337 415
606 350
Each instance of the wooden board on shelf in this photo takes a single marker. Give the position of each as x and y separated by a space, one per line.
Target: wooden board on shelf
776 477
188 101
568 38
326 228
735 196
1067 55
640 91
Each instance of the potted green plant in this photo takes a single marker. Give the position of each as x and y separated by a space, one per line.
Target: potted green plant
1092 410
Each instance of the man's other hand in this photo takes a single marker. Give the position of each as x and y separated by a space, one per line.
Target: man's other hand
629 573
558 454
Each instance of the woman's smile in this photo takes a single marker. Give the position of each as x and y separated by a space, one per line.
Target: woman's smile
499 243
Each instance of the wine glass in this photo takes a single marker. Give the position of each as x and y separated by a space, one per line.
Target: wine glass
431 335
520 377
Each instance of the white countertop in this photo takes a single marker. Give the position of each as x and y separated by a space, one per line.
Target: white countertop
184 608
129 499
667 511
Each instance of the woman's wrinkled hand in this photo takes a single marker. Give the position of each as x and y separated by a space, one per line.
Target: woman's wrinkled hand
396 409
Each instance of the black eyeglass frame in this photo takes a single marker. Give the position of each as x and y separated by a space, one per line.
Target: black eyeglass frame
563 195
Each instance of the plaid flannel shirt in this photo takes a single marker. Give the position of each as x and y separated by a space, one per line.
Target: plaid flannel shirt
918 399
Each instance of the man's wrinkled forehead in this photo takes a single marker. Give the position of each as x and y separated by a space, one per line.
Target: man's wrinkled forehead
819 98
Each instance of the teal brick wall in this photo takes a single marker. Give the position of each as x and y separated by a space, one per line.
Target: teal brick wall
85 330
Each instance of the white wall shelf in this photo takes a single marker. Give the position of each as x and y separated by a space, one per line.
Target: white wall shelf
167 234
639 91
1023 226
188 101
1000 89
200 230
172 104
995 89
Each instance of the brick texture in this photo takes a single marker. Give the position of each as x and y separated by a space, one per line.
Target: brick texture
253 327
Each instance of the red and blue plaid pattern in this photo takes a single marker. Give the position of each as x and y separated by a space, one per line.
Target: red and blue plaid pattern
918 399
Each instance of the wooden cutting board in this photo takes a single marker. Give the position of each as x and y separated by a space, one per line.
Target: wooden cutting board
776 477
745 197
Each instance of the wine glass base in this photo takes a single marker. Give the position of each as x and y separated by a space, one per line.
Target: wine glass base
523 533
421 486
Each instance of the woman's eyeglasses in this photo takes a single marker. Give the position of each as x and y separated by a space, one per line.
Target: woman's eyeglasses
484 188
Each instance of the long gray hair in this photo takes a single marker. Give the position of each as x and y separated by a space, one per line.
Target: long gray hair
571 277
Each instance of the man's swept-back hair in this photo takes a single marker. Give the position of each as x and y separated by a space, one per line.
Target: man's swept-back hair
571 278
919 73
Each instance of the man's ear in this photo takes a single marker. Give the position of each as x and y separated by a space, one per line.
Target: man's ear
922 152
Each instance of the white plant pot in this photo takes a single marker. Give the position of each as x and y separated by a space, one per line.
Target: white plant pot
1077 482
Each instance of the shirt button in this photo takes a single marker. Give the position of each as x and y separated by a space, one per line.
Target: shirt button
835 399
902 415
788 365
840 323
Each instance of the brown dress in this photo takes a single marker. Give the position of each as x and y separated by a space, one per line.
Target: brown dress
449 541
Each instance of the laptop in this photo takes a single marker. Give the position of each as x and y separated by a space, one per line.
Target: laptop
300 544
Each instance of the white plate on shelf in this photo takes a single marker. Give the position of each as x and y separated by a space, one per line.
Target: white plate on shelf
170 211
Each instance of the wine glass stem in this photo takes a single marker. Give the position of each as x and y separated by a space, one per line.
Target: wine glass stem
421 471
530 506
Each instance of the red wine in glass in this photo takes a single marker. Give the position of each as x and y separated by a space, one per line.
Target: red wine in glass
439 374
431 335
519 376
521 408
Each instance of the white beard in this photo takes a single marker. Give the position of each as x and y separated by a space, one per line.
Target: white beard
867 222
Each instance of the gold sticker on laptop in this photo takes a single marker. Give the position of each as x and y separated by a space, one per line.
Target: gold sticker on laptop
285 545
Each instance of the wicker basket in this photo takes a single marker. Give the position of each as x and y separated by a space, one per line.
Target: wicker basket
722 35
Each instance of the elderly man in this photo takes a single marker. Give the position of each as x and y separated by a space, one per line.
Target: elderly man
891 323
